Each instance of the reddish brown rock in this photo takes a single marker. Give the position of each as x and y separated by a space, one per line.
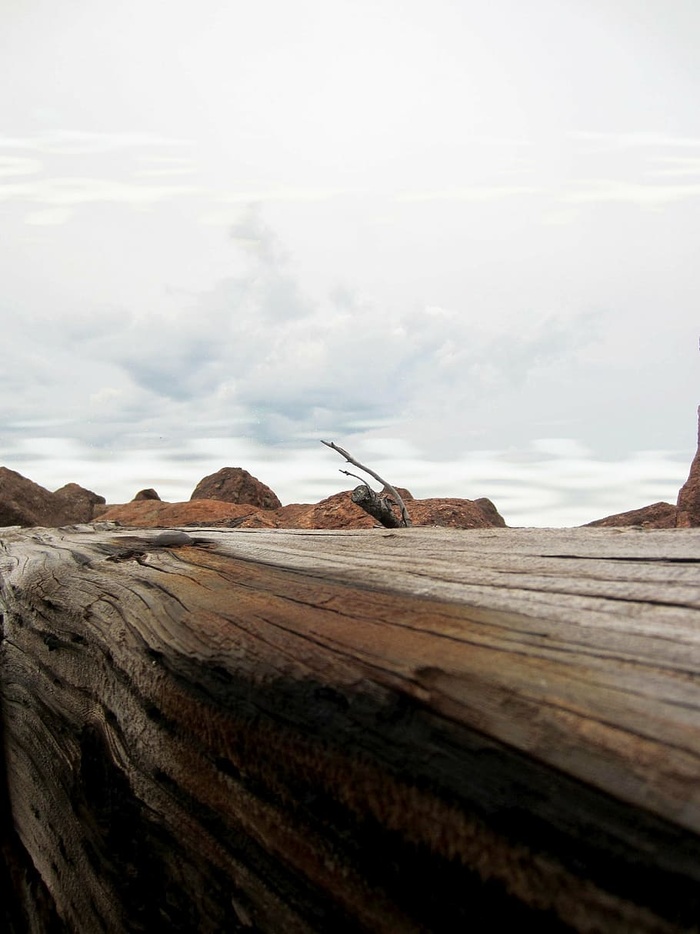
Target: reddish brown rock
490 511
145 494
235 485
335 512
258 519
77 503
150 513
656 516
456 513
339 512
689 495
25 503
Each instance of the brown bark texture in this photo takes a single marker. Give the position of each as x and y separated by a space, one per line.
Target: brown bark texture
420 730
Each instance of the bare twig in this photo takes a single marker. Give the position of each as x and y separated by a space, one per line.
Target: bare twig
351 460
356 476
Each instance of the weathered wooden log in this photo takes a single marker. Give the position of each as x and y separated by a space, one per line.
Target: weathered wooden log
425 730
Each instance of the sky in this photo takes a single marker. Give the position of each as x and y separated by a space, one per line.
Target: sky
457 238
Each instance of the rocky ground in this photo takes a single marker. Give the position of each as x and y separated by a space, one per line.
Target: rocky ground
232 497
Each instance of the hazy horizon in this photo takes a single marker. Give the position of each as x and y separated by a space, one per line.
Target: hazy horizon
524 490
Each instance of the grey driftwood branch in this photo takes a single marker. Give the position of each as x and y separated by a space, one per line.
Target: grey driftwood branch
365 497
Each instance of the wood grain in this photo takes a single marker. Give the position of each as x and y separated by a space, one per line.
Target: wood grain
410 730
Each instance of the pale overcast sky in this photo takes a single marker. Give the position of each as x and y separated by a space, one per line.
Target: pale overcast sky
459 238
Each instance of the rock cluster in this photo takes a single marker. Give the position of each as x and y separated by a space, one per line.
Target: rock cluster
150 493
231 497
25 503
235 485
335 512
656 516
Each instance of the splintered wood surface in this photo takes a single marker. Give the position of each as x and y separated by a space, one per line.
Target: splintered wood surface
409 730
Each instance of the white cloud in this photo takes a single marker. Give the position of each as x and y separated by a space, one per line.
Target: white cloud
608 190
187 168
471 193
106 395
18 165
246 195
67 192
436 311
17 190
81 142
637 140
88 157
73 190
49 218
220 216
561 447
502 141
676 166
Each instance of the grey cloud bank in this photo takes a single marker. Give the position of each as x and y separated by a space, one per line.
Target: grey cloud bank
459 244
